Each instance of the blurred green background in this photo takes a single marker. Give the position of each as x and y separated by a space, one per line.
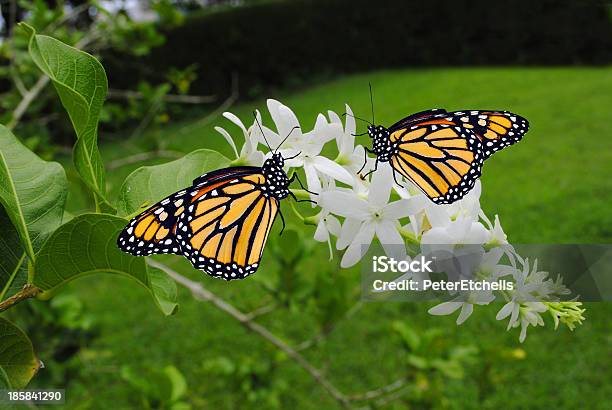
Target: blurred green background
106 343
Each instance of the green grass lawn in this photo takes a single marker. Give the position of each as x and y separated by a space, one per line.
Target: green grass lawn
553 187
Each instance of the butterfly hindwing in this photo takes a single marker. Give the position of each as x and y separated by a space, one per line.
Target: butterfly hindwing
153 231
443 161
225 227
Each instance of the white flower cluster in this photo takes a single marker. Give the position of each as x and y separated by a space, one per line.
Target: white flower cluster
356 210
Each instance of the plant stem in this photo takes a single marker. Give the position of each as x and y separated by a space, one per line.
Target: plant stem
204 294
27 292
173 98
27 99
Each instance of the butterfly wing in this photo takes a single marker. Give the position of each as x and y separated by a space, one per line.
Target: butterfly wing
495 129
225 227
418 117
153 231
443 161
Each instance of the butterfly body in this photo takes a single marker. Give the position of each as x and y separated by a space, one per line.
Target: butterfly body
220 224
442 152
382 145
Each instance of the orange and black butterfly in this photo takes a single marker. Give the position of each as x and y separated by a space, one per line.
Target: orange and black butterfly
442 152
220 224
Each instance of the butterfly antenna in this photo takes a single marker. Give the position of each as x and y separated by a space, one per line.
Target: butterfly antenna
262 132
357 118
371 102
285 139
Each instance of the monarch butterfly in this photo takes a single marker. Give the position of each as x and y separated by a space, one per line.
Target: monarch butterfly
220 224
442 152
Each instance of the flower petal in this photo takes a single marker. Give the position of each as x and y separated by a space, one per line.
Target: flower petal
228 138
359 246
321 233
349 229
403 208
391 240
312 180
328 167
333 225
284 119
349 126
233 118
382 182
345 204
466 311
444 308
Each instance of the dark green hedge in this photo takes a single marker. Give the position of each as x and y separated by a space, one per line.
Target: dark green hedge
289 42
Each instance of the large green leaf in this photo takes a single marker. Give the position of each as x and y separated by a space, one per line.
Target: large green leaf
148 185
32 191
18 363
13 259
87 245
81 83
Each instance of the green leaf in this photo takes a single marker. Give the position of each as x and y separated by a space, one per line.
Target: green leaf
409 336
86 245
13 259
177 382
417 361
81 84
164 291
147 185
32 191
17 359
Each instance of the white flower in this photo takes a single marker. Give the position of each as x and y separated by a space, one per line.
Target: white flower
487 264
304 149
350 156
367 217
446 308
327 224
523 315
462 231
249 155
344 135
531 289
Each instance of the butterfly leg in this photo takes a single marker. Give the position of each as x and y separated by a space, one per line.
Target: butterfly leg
296 177
395 179
365 158
282 220
301 200
375 168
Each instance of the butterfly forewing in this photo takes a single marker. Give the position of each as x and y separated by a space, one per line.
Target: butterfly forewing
444 162
417 117
226 225
442 152
495 129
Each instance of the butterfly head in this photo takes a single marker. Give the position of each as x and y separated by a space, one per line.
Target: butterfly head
376 131
277 159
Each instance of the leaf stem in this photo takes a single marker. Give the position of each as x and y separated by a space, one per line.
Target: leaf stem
27 292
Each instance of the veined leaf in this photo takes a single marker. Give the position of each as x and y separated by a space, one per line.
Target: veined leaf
147 185
18 363
164 290
87 245
81 84
32 191
13 259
